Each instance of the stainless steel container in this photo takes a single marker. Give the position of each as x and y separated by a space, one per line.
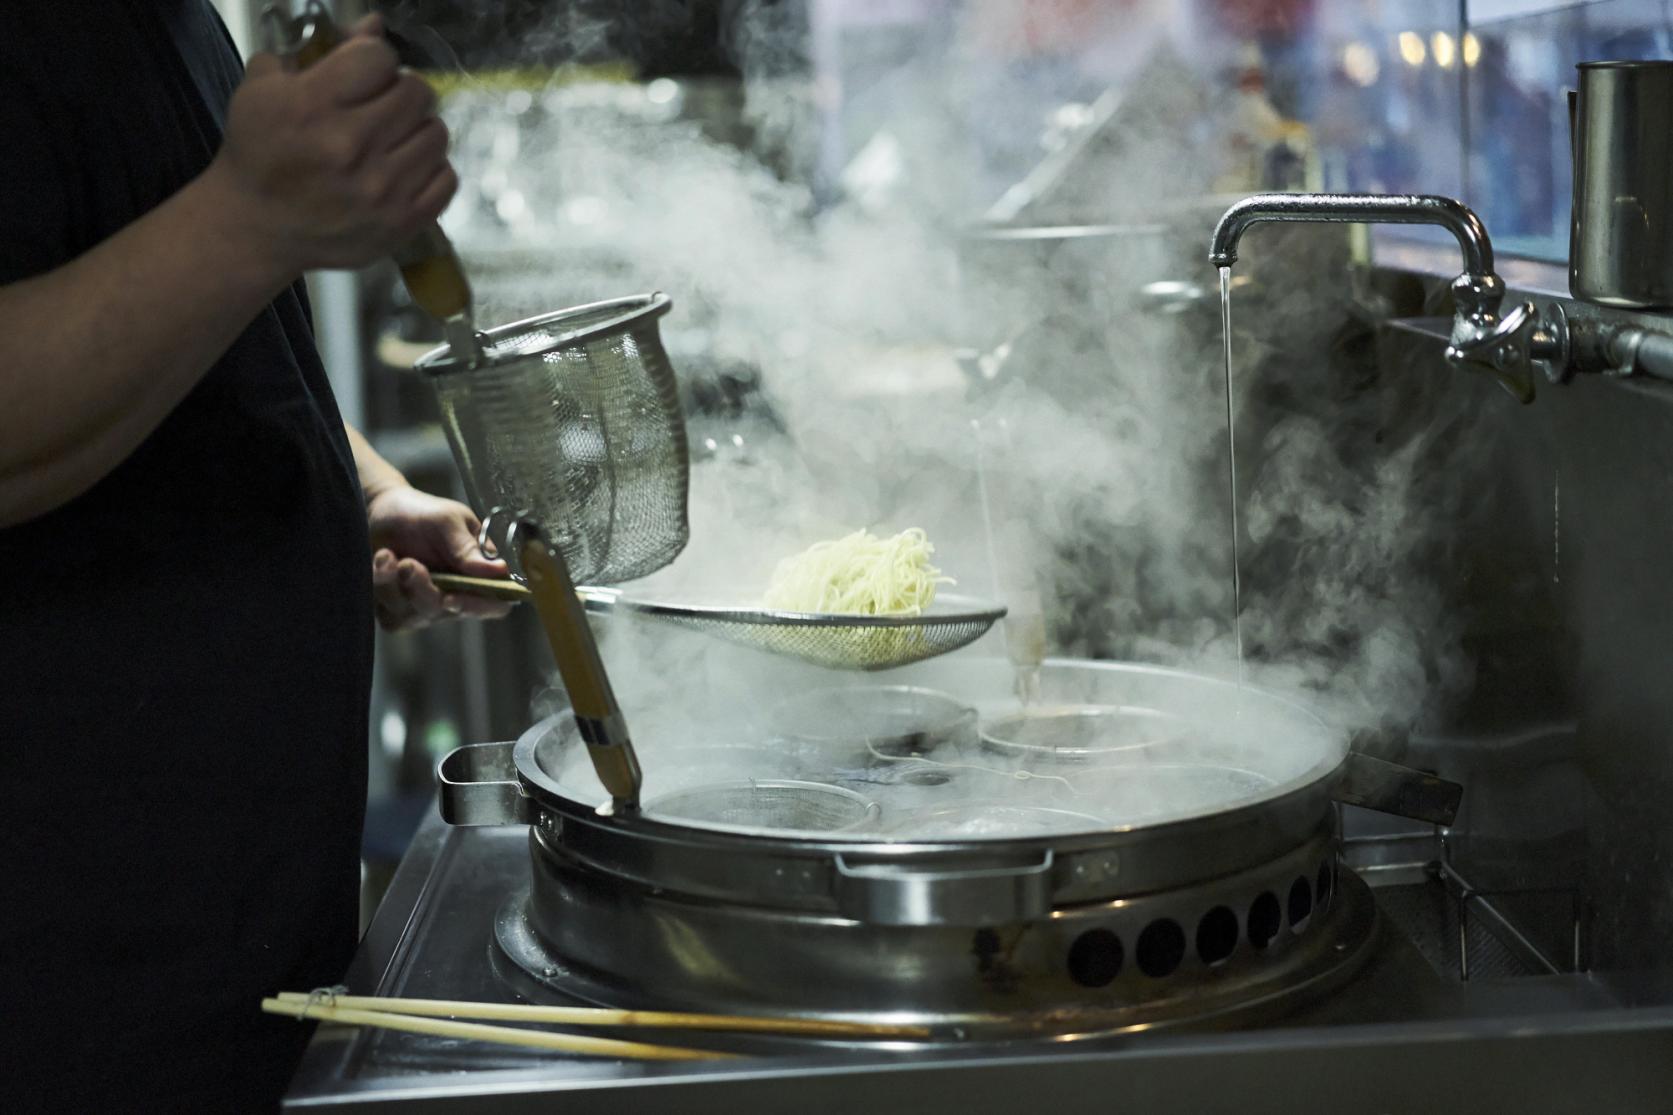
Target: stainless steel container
1621 231
1116 914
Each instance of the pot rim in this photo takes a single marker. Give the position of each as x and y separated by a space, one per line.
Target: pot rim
1314 781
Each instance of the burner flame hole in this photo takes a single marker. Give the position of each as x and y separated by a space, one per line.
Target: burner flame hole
1217 936
1095 958
1301 905
1265 918
1161 948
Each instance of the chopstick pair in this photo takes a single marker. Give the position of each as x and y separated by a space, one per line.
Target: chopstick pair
439 1017
312 1007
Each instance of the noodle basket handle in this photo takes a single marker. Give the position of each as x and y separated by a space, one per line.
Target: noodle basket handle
490 547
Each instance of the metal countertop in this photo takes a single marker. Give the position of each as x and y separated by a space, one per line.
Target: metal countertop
1400 1038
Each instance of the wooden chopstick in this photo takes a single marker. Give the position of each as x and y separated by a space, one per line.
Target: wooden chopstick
600 1016
476 1031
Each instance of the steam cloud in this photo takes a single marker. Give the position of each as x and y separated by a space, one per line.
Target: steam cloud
1102 438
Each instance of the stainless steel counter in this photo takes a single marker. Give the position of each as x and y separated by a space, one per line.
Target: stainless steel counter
1401 1038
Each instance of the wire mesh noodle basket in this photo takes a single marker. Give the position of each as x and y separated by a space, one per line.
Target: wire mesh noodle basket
572 420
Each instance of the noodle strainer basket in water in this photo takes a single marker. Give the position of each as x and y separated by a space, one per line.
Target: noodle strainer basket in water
767 804
572 420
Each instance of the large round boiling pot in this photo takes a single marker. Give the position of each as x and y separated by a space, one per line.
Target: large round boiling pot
1221 908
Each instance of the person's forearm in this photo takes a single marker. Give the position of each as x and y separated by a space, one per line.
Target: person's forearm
95 354
376 474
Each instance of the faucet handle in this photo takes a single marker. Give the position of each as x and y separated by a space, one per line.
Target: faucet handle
1512 348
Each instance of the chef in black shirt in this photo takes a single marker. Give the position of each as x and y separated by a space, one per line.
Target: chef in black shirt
193 542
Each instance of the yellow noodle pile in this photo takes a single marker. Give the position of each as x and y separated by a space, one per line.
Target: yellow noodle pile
859 574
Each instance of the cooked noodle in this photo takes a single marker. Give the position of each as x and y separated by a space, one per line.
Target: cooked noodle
859 574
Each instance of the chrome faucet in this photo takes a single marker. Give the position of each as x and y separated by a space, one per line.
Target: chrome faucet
1510 347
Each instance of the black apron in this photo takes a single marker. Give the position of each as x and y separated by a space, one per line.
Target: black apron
185 649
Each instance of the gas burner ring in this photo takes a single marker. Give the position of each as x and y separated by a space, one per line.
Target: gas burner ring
1241 947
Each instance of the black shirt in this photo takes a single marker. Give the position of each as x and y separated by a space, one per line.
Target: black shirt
185 649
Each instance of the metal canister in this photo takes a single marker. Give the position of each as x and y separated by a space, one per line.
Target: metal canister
1621 231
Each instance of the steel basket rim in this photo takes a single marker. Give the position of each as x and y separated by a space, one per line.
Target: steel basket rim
636 309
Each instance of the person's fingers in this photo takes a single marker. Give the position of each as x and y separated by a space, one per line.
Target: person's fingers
262 64
433 198
389 602
388 120
384 568
369 26
421 592
392 608
416 161
357 71
460 543
407 596
479 566
465 605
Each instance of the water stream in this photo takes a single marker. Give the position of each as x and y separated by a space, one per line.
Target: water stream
1024 623
1231 457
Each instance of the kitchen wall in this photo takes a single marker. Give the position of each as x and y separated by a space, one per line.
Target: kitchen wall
1557 514
1555 517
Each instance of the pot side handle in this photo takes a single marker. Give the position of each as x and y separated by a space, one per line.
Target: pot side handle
1391 788
885 893
479 786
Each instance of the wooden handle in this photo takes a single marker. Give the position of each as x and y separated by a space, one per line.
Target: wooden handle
613 757
617 767
433 275
564 618
494 588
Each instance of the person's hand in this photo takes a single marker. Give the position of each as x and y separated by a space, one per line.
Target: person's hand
338 164
414 532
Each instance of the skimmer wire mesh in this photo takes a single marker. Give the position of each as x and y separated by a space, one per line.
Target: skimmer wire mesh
574 420
831 642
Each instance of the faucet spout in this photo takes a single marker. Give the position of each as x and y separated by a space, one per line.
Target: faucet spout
1377 209
1509 347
